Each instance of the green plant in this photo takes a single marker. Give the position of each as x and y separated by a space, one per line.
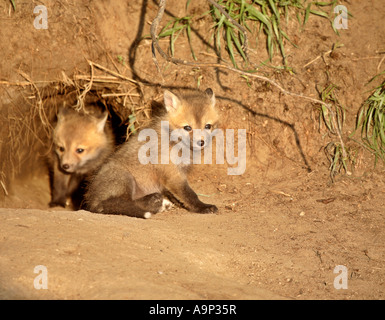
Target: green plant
13 4
332 114
334 122
371 119
131 128
174 28
234 20
121 60
338 162
265 16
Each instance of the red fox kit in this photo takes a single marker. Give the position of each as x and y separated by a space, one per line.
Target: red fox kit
81 143
133 184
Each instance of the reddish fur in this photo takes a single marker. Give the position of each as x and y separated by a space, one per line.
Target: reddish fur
123 185
76 131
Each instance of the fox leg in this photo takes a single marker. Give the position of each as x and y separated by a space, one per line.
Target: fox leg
74 183
186 195
141 208
75 191
59 188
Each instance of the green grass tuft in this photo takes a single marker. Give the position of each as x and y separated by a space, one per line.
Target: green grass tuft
255 17
371 120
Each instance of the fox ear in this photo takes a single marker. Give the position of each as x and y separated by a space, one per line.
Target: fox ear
63 111
171 101
101 122
211 95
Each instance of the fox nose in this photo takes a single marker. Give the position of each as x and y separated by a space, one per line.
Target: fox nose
201 143
65 166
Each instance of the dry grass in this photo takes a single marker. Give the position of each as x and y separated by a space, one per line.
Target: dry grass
27 121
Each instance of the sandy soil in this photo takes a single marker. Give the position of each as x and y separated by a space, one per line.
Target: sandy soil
281 228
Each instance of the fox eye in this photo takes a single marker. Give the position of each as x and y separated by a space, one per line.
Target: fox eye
61 149
79 150
208 126
187 128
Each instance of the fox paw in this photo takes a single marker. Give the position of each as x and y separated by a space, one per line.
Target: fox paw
209 208
154 202
53 204
166 205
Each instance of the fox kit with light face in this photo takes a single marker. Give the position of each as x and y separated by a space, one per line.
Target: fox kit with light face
81 143
131 184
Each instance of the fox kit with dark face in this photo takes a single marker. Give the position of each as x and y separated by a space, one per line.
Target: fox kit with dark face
134 183
81 144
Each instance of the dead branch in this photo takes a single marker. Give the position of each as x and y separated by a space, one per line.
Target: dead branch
42 114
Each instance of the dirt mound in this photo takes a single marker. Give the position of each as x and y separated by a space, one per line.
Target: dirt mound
282 226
